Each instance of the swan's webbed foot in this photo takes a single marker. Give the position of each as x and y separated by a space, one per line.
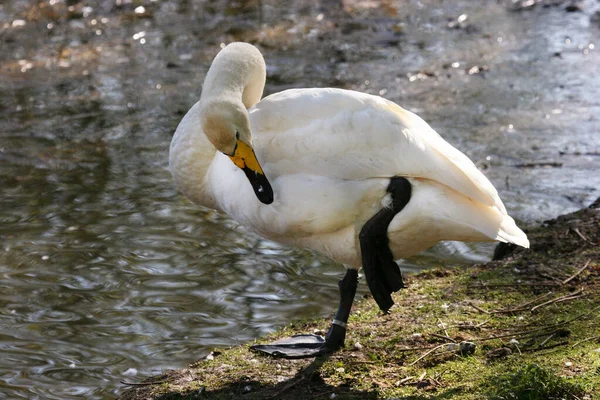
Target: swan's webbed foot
304 345
308 345
297 346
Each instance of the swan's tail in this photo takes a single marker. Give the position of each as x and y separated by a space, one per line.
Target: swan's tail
436 212
509 232
470 220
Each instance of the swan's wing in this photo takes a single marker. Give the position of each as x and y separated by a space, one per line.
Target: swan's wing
350 135
453 168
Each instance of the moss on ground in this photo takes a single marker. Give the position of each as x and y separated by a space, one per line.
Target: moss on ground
533 316
533 382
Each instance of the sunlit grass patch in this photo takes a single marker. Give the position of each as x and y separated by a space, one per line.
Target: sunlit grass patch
533 382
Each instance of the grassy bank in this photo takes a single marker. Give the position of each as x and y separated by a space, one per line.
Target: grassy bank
532 317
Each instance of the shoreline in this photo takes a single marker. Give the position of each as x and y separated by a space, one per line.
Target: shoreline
533 318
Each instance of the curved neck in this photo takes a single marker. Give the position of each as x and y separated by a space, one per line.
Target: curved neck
238 72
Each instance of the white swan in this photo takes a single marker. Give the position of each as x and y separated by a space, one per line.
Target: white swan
351 175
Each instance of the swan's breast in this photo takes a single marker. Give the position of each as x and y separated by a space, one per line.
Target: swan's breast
304 204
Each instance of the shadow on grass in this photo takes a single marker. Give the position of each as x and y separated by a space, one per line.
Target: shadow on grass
306 384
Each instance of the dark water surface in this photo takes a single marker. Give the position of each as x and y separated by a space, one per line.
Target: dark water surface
106 273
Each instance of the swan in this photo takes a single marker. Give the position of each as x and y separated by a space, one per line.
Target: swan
351 175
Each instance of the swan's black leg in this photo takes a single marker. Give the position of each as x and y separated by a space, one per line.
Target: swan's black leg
381 271
337 332
303 346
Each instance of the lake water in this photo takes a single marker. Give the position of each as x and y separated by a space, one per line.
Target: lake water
106 273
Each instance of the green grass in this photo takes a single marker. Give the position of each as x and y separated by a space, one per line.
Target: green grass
533 382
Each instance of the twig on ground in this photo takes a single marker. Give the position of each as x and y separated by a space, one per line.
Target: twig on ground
566 297
541 329
581 236
404 380
585 340
507 335
355 361
569 279
416 349
444 328
436 377
428 353
411 380
547 339
443 337
523 306
550 346
482 324
571 298
513 284
549 277
471 326
479 309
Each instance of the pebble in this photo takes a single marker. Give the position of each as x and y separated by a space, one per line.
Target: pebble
464 348
467 347
499 353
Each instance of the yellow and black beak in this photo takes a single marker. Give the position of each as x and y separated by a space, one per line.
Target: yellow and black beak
245 159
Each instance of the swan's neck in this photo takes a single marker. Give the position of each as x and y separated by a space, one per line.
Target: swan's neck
190 157
238 72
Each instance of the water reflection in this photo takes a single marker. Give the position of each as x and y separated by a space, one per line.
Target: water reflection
105 269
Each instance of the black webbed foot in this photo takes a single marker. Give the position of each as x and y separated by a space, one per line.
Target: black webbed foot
308 345
304 345
297 346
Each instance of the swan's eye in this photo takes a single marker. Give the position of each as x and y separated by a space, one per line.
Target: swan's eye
237 135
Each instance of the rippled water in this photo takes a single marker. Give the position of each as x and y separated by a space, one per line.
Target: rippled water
106 273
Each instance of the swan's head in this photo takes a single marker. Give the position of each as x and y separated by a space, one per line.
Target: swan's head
227 127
